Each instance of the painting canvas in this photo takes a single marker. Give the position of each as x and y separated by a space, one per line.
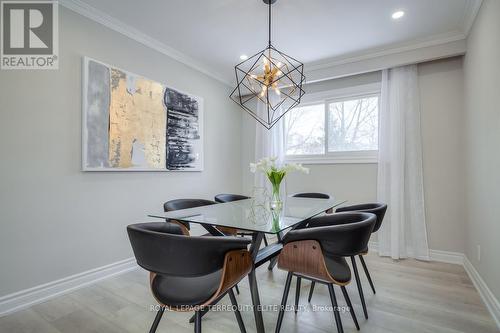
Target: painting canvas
131 123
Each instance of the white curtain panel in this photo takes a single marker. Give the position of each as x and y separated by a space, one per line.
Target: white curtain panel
268 143
403 233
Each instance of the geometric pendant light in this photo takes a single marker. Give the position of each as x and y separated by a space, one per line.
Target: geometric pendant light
269 83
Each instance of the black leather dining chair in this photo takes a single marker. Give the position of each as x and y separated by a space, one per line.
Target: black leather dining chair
225 197
314 195
379 210
184 204
317 252
189 273
192 203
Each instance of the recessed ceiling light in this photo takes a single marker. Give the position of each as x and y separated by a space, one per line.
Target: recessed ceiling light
398 14
243 57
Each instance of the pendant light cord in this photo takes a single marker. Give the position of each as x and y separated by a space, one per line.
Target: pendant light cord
270 22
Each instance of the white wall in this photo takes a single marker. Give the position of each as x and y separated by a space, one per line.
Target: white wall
57 221
482 139
441 93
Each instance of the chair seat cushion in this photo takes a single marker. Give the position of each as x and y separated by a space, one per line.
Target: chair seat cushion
338 269
179 291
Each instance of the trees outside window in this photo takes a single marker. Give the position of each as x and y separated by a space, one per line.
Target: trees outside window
326 128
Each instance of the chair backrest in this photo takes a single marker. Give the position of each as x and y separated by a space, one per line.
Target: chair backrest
161 248
342 234
378 209
221 198
312 195
185 204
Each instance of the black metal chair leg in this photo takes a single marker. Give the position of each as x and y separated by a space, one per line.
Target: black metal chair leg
313 283
237 289
159 314
283 301
349 304
358 283
197 322
203 311
297 293
367 273
237 311
265 241
336 313
272 263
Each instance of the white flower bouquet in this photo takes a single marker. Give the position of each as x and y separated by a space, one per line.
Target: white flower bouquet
276 173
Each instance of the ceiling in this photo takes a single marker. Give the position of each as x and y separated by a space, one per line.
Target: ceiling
212 34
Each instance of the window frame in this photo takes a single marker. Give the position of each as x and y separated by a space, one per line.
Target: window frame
339 157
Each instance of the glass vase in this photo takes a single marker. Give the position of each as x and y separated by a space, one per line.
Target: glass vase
276 202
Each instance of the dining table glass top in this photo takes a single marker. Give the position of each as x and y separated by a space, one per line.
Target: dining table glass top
254 214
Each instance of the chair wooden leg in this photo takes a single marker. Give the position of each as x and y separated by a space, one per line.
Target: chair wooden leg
297 293
349 304
313 283
283 301
237 311
336 313
237 289
358 283
159 314
367 273
197 322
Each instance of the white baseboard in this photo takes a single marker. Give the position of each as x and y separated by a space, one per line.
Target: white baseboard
29 297
447 257
434 255
488 297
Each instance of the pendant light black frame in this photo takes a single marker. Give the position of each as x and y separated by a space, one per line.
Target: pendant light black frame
291 73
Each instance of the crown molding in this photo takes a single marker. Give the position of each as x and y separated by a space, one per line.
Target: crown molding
471 10
112 23
375 53
376 61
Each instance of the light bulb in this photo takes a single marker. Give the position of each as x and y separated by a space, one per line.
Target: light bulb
397 15
263 92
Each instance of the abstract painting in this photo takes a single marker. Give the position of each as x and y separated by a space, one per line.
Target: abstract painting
131 123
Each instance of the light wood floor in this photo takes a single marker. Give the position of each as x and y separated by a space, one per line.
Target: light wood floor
412 296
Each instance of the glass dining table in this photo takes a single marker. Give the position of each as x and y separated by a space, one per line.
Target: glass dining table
256 217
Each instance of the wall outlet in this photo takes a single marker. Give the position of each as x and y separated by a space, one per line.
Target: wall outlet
479 253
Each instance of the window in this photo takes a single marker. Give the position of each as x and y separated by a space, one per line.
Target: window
336 129
305 130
